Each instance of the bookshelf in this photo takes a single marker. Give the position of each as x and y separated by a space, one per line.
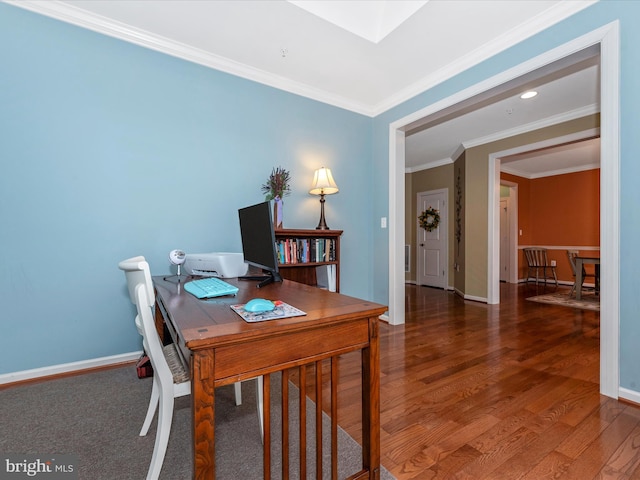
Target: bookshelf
301 251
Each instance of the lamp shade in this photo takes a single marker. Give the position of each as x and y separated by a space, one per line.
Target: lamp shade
323 183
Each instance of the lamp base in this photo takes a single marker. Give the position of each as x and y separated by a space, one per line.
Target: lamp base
322 225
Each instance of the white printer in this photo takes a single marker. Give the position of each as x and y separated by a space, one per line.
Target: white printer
218 264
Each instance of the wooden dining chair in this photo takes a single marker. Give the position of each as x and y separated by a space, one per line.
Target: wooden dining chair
539 267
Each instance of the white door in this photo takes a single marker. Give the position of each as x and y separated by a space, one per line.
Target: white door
432 253
505 239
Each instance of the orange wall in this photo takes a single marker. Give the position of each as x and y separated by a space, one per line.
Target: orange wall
565 209
562 211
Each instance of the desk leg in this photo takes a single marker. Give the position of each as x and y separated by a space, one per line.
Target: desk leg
579 267
371 402
203 401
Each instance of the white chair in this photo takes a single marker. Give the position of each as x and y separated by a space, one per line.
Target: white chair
170 378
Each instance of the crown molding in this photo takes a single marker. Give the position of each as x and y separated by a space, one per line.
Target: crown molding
97 23
427 166
106 26
548 173
548 143
552 142
529 127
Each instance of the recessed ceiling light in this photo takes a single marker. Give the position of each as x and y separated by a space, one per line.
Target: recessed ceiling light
529 94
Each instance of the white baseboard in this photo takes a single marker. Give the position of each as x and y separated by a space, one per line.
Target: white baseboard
476 299
413 282
469 297
630 395
68 367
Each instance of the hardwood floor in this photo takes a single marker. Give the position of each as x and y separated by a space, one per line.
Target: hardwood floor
509 391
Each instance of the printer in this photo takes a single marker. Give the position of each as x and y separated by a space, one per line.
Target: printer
218 264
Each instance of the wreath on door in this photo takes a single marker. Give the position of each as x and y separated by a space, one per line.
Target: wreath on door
429 219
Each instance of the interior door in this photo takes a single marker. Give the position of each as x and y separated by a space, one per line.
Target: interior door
432 252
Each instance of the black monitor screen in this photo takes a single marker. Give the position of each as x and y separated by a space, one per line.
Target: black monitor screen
258 237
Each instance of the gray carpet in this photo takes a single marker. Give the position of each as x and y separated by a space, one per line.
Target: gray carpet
97 417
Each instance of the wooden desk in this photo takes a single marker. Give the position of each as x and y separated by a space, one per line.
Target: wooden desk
222 349
580 261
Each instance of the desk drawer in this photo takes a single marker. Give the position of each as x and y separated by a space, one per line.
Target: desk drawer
279 352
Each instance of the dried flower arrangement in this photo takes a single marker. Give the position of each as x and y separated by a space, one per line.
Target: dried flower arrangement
277 185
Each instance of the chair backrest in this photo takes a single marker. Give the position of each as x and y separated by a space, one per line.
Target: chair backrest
536 257
142 295
571 255
137 271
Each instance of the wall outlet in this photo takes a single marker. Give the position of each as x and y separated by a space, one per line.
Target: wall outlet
553 263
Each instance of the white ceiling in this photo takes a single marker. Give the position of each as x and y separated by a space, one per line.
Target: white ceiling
569 95
364 56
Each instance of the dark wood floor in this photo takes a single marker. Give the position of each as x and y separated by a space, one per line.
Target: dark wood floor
509 391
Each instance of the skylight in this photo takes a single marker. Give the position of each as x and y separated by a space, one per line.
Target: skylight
371 20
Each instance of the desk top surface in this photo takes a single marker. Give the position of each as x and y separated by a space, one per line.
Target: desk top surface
207 322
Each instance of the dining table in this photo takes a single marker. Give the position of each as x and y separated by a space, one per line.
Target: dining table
580 262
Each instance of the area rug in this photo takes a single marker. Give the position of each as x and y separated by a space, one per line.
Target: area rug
589 301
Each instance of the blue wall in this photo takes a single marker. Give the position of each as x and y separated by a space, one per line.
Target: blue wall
110 150
103 143
598 15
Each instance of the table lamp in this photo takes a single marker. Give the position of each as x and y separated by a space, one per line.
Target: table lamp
323 184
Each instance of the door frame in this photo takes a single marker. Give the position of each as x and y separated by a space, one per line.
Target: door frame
608 38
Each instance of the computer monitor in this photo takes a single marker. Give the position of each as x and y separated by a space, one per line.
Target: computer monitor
259 242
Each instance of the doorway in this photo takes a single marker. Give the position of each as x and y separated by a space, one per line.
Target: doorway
608 40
